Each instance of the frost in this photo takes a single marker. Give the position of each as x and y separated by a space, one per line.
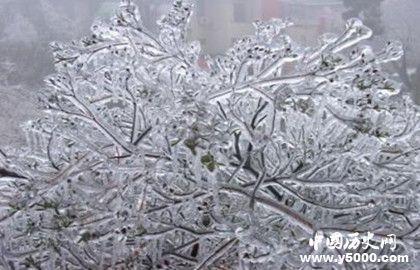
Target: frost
145 160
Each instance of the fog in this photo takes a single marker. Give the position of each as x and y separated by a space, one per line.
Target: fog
28 26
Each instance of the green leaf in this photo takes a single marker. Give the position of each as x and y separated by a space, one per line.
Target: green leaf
209 162
191 144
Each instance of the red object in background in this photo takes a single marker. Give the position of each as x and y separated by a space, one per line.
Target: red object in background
203 63
270 9
322 24
326 15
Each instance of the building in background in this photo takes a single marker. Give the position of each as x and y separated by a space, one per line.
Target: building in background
218 23
312 18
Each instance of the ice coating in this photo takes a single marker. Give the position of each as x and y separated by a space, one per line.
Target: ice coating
146 160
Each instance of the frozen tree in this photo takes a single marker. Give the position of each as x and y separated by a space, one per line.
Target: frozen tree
371 14
144 160
369 11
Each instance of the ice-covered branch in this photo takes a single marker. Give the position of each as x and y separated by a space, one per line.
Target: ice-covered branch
145 160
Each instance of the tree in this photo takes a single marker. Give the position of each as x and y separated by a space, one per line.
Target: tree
370 13
144 160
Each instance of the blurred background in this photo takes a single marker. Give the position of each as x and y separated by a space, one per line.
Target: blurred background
28 26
